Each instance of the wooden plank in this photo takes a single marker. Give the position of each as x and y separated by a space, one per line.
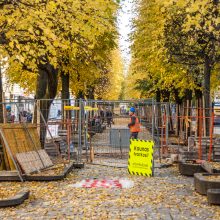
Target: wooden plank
29 162
9 173
20 139
6 159
45 158
33 161
11 155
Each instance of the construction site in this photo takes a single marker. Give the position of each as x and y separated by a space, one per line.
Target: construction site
109 109
65 162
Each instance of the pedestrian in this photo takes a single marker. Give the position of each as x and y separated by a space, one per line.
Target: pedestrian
97 120
127 111
9 115
134 124
102 116
23 116
29 117
109 117
58 113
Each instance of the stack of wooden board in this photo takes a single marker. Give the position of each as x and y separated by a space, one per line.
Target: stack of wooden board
18 138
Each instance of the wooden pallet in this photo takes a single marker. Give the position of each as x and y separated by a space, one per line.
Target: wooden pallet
34 161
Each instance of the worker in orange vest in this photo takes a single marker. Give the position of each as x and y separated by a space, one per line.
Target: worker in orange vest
134 124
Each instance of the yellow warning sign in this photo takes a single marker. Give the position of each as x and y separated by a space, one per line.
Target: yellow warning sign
140 160
71 108
89 108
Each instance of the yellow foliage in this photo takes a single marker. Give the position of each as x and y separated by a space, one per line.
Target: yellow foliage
69 34
150 60
149 53
116 77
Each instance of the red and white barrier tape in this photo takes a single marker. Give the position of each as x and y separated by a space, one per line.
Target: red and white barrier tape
104 183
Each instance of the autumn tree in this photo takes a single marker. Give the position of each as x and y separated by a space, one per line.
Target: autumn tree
48 38
192 39
110 85
150 63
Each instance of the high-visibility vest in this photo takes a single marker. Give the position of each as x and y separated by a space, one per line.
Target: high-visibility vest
136 127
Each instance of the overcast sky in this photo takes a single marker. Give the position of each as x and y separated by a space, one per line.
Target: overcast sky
124 25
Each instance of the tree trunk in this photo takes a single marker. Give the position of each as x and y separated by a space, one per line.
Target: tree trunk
206 93
188 112
170 120
65 86
178 102
1 97
65 95
46 91
177 119
158 96
198 94
91 96
80 95
166 95
91 92
183 114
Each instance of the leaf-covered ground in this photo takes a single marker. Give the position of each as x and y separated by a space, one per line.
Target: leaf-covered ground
165 196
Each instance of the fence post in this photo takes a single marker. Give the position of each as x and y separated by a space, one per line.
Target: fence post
69 131
81 110
200 133
153 125
86 134
167 123
211 135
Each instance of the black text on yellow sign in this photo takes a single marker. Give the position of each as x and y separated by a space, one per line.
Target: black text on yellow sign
140 160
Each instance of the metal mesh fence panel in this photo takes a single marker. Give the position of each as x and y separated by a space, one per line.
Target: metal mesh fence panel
108 128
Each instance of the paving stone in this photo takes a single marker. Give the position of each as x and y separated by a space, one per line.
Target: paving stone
165 196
